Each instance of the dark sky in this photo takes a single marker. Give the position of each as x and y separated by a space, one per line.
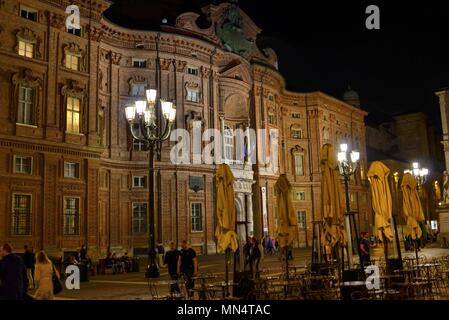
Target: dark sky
324 45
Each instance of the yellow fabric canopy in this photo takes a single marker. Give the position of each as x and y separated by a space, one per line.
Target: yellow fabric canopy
412 206
381 199
332 199
287 221
225 231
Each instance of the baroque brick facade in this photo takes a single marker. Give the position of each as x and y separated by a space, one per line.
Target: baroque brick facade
113 64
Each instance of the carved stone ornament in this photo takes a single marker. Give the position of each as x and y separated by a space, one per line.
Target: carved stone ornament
166 64
73 89
115 57
74 49
26 34
181 66
56 20
136 80
297 149
194 118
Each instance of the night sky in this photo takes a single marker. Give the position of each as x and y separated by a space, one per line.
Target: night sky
324 45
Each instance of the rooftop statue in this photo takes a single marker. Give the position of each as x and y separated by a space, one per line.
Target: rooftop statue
231 32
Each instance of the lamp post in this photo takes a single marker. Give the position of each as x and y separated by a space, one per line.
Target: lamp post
347 168
395 215
142 120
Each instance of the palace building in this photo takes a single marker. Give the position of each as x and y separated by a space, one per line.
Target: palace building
70 171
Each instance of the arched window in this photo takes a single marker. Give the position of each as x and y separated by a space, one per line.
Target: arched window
228 144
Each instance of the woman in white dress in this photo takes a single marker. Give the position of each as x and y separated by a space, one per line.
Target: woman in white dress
43 276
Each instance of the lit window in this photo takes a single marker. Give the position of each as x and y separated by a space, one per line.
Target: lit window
139 181
28 13
21 215
23 164
72 61
192 71
139 63
73 115
193 95
139 218
71 216
302 224
26 49
25 110
71 170
299 164
197 217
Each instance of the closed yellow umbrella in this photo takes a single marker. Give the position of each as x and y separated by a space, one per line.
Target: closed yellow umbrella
287 219
412 206
225 231
331 198
381 199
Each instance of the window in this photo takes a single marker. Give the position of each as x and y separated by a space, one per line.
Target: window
193 95
271 118
139 219
296 133
228 144
72 61
192 70
21 215
138 89
139 181
71 216
23 164
26 49
73 115
139 145
25 110
296 115
270 97
139 63
299 164
28 13
76 32
197 217
300 195
71 170
302 223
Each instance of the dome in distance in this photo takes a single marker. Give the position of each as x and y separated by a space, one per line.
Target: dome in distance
352 97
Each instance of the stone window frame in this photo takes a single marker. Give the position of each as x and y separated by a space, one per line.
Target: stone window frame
296 128
137 80
189 67
296 115
201 203
30 157
142 178
302 226
298 151
72 89
143 225
77 170
29 9
25 78
74 49
28 35
191 86
77 215
29 218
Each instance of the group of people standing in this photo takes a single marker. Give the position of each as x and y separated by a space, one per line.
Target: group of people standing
19 275
253 252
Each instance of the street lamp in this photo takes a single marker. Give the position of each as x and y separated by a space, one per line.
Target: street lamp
420 174
142 120
348 166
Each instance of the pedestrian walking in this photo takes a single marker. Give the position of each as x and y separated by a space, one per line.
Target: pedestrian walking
171 261
247 255
13 275
44 277
365 250
30 260
188 266
160 254
256 255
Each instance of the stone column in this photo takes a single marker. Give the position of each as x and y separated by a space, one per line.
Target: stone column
249 214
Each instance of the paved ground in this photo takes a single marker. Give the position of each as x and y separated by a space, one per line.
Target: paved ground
134 286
